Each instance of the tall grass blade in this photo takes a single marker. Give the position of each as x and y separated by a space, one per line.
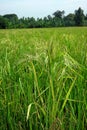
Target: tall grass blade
68 93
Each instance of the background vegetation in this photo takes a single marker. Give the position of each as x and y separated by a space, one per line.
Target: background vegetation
43 79
58 19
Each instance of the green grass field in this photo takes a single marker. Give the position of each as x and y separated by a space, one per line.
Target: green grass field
43 79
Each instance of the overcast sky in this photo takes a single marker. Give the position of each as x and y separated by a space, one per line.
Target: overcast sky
40 8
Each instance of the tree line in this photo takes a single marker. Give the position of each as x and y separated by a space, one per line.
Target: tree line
58 19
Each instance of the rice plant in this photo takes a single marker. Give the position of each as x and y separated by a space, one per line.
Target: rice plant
43 79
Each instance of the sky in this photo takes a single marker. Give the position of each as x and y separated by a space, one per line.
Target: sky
40 8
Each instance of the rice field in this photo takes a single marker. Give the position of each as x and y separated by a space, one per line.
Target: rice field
43 79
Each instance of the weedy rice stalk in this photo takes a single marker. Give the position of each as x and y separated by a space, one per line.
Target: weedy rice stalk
28 111
36 82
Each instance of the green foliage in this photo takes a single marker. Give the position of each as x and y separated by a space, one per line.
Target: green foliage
56 20
12 20
79 17
3 23
43 79
69 20
59 14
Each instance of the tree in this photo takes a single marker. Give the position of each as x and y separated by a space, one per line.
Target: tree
13 20
85 20
3 23
32 22
69 20
59 14
86 17
39 23
45 22
58 18
21 23
79 17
